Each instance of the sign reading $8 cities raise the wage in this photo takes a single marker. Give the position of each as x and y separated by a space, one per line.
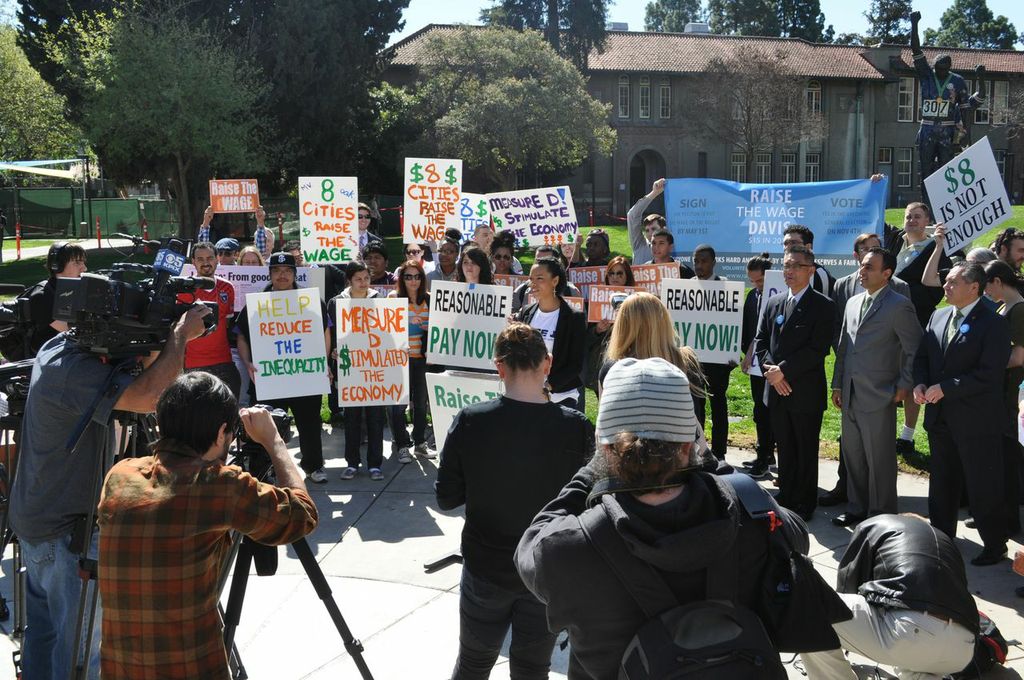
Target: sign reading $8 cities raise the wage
328 213
433 187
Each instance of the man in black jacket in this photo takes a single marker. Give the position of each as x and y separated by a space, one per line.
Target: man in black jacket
792 342
756 267
904 581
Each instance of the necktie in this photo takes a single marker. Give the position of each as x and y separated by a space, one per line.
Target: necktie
954 325
790 306
864 307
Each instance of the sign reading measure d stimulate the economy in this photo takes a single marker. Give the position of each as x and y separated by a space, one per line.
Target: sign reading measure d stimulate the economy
535 217
741 220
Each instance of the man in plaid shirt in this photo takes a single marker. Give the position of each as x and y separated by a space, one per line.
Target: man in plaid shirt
165 532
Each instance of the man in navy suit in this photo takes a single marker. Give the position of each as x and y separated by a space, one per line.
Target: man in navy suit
958 373
792 342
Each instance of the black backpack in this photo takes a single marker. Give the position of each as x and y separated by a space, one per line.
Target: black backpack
711 638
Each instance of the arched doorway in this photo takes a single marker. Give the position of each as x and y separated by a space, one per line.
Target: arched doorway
645 167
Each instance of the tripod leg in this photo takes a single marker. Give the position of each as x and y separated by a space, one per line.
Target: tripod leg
233 612
323 590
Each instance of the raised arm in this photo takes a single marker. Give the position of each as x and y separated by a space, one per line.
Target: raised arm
915 39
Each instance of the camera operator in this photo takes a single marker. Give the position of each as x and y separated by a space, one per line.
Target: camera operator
73 392
64 261
165 523
212 353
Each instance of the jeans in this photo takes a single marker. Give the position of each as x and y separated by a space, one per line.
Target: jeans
418 404
374 434
485 612
51 605
243 375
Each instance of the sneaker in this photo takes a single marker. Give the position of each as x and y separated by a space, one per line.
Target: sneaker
317 476
348 473
423 452
376 475
404 455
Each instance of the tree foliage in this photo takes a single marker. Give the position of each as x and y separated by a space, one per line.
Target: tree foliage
503 101
775 18
970 23
572 27
671 16
888 22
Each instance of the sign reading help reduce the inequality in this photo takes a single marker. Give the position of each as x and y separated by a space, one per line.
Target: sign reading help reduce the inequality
373 351
707 315
328 218
433 188
536 216
465 320
286 330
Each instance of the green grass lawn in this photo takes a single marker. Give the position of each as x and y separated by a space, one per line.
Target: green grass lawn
11 245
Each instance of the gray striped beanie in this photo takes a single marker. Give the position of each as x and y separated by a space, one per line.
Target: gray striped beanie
648 397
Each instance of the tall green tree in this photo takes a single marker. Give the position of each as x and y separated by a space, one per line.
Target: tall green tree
970 23
504 101
802 19
888 22
671 16
743 17
572 27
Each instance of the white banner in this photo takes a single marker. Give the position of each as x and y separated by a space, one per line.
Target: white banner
536 216
774 283
286 332
465 320
329 218
433 188
251 279
707 315
373 351
451 391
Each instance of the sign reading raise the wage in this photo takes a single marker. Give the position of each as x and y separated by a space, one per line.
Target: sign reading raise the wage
465 320
471 212
600 301
328 218
649 276
373 352
451 391
234 195
536 216
585 277
253 279
433 187
968 195
286 329
707 315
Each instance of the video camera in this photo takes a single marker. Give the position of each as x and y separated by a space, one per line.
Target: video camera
129 309
252 457
15 324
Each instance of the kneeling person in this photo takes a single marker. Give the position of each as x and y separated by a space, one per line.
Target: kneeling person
165 532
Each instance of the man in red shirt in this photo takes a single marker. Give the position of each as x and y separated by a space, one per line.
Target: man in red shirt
212 353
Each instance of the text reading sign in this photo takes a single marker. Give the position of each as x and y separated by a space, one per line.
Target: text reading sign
707 315
465 320
373 352
451 391
328 218
536 216
287 332
433 188
234 195
968 195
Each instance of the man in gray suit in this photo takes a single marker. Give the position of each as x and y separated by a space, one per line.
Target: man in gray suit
873 372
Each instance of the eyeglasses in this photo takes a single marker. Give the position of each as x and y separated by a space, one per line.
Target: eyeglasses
364 217
413 252
412 277
501 257
791 266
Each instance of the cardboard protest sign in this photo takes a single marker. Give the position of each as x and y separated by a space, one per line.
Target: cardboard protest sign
968 195
470 212
707 315
286 331
234 195
649 276
576 303
451 391
585 277
329 218
600 301
536 216
433 188
246 279
465 320
513 280
373 351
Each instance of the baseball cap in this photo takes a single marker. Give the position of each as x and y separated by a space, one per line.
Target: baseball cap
649 398
282 260
601 234
227 244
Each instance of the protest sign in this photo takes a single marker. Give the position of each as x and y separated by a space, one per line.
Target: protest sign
707 315
373 351
465 319
649 276
433 188
774 283
251 279
513 280
328 218
451 391
585 277
576 303
286 332
745 219
968 195
535 216
470 212
600 301
234 195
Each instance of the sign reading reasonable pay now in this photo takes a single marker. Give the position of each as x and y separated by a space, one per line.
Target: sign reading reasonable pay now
465 320
328 214
433 187
707 315
373 351
234 195
286 329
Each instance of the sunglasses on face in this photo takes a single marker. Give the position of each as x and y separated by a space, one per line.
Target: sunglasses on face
413 252
412 277
364 217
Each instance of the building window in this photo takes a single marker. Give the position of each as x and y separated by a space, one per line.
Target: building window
763 167
905 106
738 166
812 167
904 166
788 163
814 98
982 114
623 96
1001 162
885 155
665 99
645 97
1000 103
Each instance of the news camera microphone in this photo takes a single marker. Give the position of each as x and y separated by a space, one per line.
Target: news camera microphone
11 288
204 282
137 240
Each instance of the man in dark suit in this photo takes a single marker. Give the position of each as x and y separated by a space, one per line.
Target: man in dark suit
792 342
958 373
756 267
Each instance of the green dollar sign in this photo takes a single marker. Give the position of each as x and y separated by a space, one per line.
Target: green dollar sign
449 174
305 232
344 362
481 208
966 174
498 223
953 184
327 189
416 175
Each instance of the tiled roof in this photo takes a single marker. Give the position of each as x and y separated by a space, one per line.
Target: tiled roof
693 53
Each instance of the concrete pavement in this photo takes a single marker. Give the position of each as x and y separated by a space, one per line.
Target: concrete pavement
373 540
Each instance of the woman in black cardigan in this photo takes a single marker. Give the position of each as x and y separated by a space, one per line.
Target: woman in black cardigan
564 330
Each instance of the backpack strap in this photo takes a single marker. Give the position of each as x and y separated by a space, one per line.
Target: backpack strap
756 502
644 584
